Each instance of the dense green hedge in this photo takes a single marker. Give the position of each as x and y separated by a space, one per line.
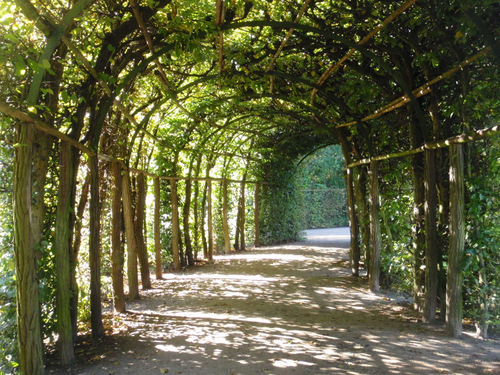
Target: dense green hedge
324 208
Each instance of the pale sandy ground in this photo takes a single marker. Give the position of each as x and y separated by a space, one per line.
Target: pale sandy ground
290 309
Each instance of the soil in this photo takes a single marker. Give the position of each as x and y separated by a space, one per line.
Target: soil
289 309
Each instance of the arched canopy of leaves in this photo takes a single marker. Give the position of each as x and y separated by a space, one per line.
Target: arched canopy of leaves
180 77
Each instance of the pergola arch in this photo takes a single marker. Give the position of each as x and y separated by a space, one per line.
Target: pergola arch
257 101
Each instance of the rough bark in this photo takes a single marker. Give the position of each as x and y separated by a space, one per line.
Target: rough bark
116 243
175 225
128 216
95 251
457 241
376 242
225 217
28 310
353 224
140 212
62 251
158 265
41 151
431 243
210 222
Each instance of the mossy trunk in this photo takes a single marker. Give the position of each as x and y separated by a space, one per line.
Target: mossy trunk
28 309
158 265
95 251
175 225
354 253
256 214
457 241
116 243
210 256
62 252
128 216
225 217
187 232
140 213
376 242
431 242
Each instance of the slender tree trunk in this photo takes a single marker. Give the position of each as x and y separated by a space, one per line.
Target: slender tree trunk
238 227
457 241
158 265
210 222
418 230
41 151
431 256
116 243
202 222
256 215
187 232
353 224
140 211
175 225
225 217
28 309
196 219
242 216
95 251
76 250
128 216
376 243
443 238
62 251
360 183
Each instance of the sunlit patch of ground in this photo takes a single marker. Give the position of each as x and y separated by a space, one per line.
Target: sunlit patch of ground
280 310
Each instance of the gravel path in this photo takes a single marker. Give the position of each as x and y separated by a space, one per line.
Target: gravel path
291 309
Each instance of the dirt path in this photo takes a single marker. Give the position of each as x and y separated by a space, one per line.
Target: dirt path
290 309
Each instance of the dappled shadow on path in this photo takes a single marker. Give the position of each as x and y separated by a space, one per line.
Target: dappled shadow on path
281 310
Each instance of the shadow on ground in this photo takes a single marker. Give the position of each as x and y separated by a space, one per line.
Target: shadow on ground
290 309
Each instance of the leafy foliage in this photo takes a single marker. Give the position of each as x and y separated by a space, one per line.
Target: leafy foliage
482 260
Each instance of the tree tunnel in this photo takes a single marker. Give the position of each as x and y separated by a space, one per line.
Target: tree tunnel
200 105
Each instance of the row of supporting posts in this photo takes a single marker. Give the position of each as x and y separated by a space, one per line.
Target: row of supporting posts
453 306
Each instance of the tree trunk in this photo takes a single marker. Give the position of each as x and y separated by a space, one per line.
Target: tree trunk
158 265
210 222
418 230
116 243
187 232
225 217
128 216
431 256
353 224
360 194
41 151
62 251
95 251
28 309
202 222
256 214
140 211
196 219
376 244
457 241
242 216
175 225
76 250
